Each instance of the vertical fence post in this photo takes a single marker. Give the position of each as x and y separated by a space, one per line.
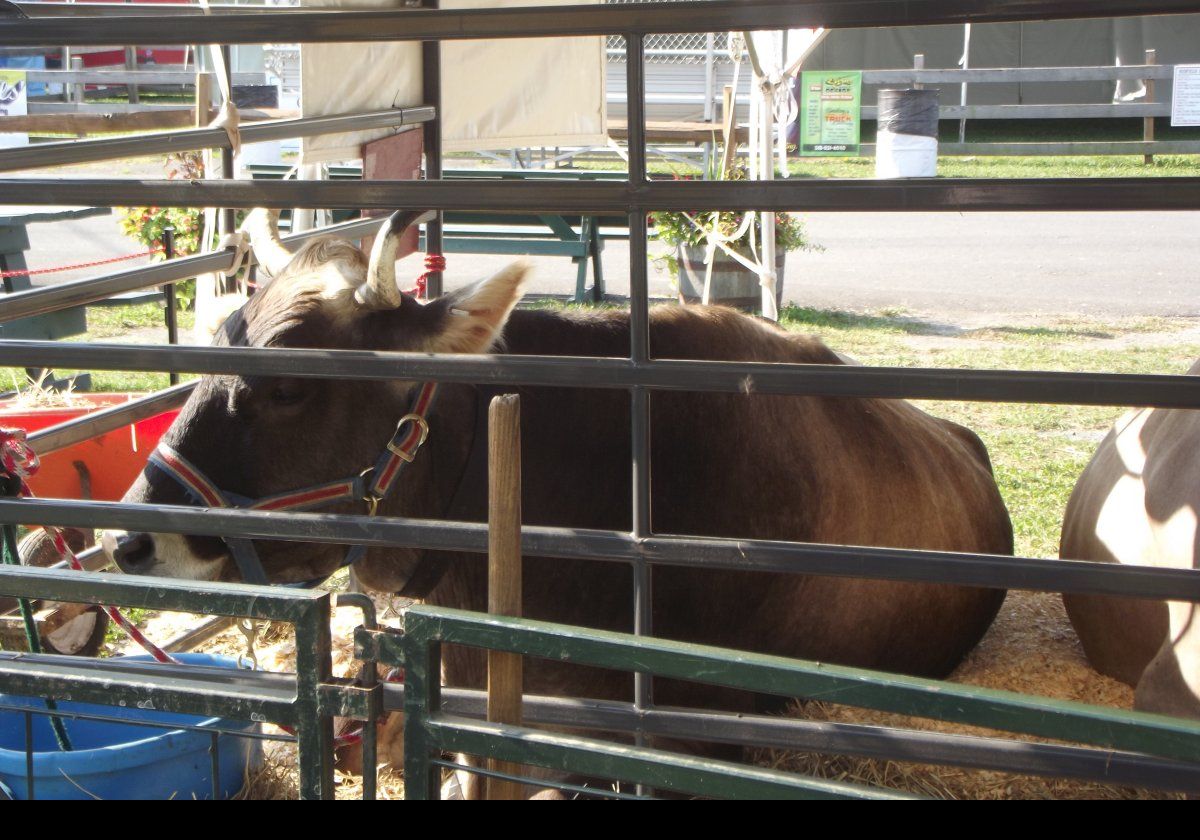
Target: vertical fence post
1148 122
172 306
639 353
431 88
204 98
314 730
504 683
76 88
918 65
131 63
228 215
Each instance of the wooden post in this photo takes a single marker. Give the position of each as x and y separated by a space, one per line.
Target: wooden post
504 684
1148 122
132 64
919 64
728 129
204 97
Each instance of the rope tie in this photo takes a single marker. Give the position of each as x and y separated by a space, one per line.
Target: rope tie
239 241
434 264
20 463
229 120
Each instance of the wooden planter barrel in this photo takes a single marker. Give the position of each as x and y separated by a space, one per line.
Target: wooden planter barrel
732 283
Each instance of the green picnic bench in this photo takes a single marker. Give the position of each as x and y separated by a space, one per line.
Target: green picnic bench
541 234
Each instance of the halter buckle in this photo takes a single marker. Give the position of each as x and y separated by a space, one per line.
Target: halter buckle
422 424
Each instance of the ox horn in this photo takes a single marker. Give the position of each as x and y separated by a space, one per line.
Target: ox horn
380 290
262 226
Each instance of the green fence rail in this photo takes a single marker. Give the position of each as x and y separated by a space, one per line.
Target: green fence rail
429 730
305 701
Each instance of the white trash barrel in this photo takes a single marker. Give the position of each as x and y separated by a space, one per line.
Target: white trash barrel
906 139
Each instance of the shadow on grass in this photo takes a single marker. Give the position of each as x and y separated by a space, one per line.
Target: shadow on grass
1047 333
803 317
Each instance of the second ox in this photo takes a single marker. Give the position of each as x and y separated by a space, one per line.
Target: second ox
869 472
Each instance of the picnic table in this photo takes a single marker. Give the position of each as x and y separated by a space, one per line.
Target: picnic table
541 234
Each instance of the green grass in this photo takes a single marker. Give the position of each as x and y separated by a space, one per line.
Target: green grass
117 324
1038 451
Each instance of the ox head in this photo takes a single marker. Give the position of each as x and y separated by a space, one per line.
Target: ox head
259 436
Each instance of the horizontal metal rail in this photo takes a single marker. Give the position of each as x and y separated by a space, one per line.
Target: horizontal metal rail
1049 387
877 742
189 689
185 78
1112 111
1153 734
951 195
40 301
168 142
92 559
105 10
1083 147
54 438
556 21
654 768
983 570
92 715
1020 75
231 599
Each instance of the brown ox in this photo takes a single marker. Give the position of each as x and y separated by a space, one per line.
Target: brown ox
853 471
1137 503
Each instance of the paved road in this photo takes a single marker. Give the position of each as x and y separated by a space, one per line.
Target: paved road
957 265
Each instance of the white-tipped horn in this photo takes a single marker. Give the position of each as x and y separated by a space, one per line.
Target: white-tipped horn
262 226
380 291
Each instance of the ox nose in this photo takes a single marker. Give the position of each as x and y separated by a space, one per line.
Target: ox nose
133 553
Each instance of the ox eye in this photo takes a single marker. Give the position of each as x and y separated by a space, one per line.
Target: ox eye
288 393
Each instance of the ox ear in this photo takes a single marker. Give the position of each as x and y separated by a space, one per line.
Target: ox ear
477 313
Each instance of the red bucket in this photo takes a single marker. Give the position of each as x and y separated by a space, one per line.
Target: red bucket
109 463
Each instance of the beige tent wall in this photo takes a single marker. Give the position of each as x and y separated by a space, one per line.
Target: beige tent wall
496 94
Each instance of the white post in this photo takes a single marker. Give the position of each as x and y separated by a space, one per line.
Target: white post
766 158
965 63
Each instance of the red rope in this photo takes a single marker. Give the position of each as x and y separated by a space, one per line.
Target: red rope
434 264
29 272
20 461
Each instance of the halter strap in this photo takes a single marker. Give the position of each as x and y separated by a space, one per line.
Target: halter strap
372 485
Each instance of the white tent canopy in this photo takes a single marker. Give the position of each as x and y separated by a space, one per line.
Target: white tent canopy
496 94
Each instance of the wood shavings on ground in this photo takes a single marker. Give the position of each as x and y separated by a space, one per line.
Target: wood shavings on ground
1031 649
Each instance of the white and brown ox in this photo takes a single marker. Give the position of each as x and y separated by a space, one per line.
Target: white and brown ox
1137 503
854 471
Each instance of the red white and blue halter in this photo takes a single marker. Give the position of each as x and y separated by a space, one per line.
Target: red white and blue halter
372 485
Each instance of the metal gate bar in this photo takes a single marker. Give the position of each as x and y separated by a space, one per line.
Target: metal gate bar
951 195
697 552
969 751
878 742
169 142
47 299
308 701
1046 387
427 727
557 21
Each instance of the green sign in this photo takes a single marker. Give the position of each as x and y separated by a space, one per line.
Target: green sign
830 108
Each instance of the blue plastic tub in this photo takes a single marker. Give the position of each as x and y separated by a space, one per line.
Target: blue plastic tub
125 761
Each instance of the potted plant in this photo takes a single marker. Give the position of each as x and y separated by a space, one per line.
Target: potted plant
732 282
